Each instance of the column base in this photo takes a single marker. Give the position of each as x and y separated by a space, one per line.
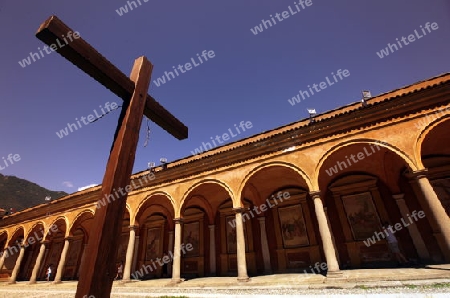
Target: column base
56 282
335 276
124 281
243 279
11 283
176 281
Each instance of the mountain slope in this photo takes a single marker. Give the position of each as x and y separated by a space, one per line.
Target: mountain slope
20 194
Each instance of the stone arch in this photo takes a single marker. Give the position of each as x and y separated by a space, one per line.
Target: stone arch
37 223
142 204
199 202
129 211
254 191
33 227
423 135
54 222
410 163
153 209
222 184
81 215
291 166
3 239
14 234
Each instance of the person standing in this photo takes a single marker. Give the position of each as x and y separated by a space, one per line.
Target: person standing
49 272
120 271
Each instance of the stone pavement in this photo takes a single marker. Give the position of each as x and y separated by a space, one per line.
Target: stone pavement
431 281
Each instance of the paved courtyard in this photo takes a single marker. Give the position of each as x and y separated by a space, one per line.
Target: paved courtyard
432 281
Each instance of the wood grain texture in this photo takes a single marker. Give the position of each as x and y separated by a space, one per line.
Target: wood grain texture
99 268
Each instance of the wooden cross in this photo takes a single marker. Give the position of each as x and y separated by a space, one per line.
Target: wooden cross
98 269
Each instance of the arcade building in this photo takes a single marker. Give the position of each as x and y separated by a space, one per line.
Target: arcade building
312 191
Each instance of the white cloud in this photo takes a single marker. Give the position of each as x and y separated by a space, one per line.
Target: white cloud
87 186
67 184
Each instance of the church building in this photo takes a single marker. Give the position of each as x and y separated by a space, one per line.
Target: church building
316 191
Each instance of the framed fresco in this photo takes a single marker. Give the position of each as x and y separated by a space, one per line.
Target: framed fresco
152 249
293 227
192 235
362 215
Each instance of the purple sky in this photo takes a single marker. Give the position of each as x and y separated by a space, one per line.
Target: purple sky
250 78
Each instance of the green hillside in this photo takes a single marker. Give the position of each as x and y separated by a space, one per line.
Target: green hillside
20 194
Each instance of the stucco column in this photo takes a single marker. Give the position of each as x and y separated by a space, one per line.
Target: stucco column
47 250
212 249
331 232
12 279
62 260
264 245
130 253
176 273
421 248
435 206
2 259
325 234
240 240
135 258
38 263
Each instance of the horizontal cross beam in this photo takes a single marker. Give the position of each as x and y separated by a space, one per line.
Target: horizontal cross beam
85 57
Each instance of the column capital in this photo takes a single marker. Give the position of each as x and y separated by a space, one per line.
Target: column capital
45 242
417 174
178 220
238 210
211 227
133 227
261 219
398 196
315 194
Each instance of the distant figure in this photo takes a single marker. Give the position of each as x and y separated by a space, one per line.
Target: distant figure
120 271
49 272
393 245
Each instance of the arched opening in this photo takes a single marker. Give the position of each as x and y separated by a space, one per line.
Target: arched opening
11 253
281 218
155 223
436 158
55 238
78 242
32 244
365 185
203 229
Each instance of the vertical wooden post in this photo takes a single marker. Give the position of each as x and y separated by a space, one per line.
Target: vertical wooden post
97 276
